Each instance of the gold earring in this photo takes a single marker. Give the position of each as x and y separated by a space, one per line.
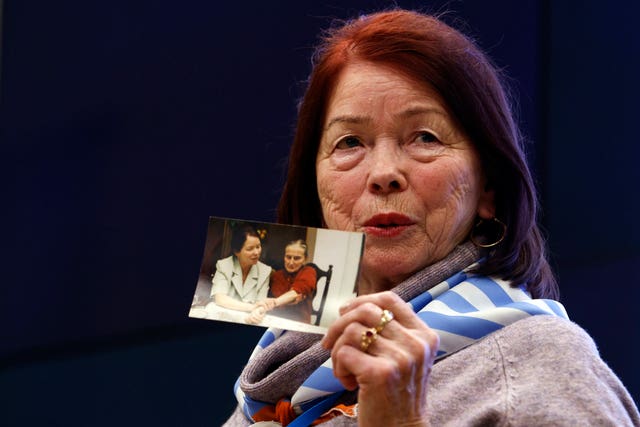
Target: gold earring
481 224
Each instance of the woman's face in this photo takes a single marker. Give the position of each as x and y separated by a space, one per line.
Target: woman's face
250 252
394 164
294 258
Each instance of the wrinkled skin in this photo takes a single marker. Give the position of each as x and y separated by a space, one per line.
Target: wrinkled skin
394 164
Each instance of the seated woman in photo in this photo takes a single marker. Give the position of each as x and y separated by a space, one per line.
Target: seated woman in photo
241 279
292 287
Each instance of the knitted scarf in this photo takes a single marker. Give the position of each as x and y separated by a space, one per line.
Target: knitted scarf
289 372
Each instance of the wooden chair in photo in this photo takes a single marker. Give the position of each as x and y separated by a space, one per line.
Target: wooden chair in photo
320 296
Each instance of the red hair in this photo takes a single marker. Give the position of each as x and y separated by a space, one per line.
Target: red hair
427 50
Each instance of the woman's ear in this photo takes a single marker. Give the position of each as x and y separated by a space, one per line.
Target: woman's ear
487 203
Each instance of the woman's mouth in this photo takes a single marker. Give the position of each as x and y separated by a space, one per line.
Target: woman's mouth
387 225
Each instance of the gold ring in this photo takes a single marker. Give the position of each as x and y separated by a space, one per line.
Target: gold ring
386 317
369 335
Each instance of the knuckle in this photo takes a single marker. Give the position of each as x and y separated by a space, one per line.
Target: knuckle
353 330
388 370
337 355
434 342
404 361
369 312
389 298
422 348
431 343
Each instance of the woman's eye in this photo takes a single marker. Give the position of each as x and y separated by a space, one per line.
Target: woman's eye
348 142
427 137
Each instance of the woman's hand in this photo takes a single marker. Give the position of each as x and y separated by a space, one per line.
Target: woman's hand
393 370
256 315
268 304
229 302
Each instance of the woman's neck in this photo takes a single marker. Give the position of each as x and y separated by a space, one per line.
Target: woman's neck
289 273
372 283
245 271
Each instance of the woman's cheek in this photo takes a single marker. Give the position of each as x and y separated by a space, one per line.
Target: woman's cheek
336 205
335 215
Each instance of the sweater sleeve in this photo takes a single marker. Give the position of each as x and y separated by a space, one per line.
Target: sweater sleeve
221 282
555 376
305 282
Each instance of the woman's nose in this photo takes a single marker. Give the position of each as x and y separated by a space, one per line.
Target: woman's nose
386 174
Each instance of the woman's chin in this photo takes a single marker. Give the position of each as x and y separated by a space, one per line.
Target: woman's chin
384 273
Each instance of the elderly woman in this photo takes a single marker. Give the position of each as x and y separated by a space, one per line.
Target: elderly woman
241 279
405 133
291 288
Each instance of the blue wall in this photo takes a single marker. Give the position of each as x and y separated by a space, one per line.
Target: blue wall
124 125
591 149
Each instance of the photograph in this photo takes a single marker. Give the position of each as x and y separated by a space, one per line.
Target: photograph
274 275
329 213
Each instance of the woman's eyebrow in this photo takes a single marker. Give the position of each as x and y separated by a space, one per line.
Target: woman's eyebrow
409 112
419 110
347 119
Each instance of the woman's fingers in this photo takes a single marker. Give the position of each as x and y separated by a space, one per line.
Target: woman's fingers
369 311
256 315
394 342
381 346
386 300
391 376
267 303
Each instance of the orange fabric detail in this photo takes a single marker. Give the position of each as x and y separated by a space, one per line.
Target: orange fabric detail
282 412
350 411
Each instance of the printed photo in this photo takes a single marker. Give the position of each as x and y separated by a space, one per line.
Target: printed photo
284 276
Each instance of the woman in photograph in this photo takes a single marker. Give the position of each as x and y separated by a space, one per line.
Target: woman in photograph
241 280
406 133
292 288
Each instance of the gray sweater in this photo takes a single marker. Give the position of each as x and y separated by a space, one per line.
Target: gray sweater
540 371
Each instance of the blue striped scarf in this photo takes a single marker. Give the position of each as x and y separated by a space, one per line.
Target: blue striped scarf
462 309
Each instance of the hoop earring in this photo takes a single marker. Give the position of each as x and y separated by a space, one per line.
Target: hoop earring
479 225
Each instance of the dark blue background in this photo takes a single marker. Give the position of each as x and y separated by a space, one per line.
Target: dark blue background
125 124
